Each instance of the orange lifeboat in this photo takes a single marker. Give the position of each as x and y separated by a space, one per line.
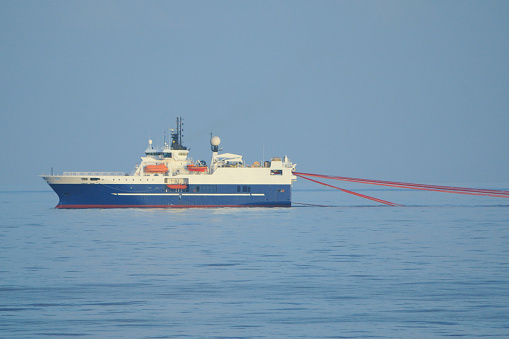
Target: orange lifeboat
194 168
177 186
161 168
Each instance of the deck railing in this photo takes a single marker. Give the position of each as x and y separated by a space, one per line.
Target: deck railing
88 174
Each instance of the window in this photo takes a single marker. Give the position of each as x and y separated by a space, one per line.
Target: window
206 189
276 172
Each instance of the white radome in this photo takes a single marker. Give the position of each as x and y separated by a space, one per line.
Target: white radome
215 141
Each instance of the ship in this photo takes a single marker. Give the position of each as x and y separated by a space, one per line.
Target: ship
167 177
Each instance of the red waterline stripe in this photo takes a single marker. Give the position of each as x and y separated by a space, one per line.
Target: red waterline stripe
160 206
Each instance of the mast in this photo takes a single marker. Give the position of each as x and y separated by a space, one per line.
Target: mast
176 136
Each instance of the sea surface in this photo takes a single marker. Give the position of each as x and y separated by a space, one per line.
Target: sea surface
348 268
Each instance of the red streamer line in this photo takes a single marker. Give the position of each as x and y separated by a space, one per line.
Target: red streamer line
350 192
434 188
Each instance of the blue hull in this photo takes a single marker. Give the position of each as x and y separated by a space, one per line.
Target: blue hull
151 196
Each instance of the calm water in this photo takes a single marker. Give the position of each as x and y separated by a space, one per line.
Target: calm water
439 267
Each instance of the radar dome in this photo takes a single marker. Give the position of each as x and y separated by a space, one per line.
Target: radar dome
215 141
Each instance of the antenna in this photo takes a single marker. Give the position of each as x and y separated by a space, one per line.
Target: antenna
181 129
263 152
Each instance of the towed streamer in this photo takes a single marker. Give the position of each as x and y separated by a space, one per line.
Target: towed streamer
424 187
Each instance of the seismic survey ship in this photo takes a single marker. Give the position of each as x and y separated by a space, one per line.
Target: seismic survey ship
168 178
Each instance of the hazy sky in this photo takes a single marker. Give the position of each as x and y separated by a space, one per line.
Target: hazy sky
397 90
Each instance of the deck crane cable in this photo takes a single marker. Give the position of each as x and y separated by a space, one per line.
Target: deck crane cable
434 188
349 192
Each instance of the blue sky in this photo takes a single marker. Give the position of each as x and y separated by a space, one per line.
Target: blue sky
397 90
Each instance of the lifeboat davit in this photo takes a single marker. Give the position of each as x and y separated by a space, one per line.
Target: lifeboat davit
161 168
194 168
